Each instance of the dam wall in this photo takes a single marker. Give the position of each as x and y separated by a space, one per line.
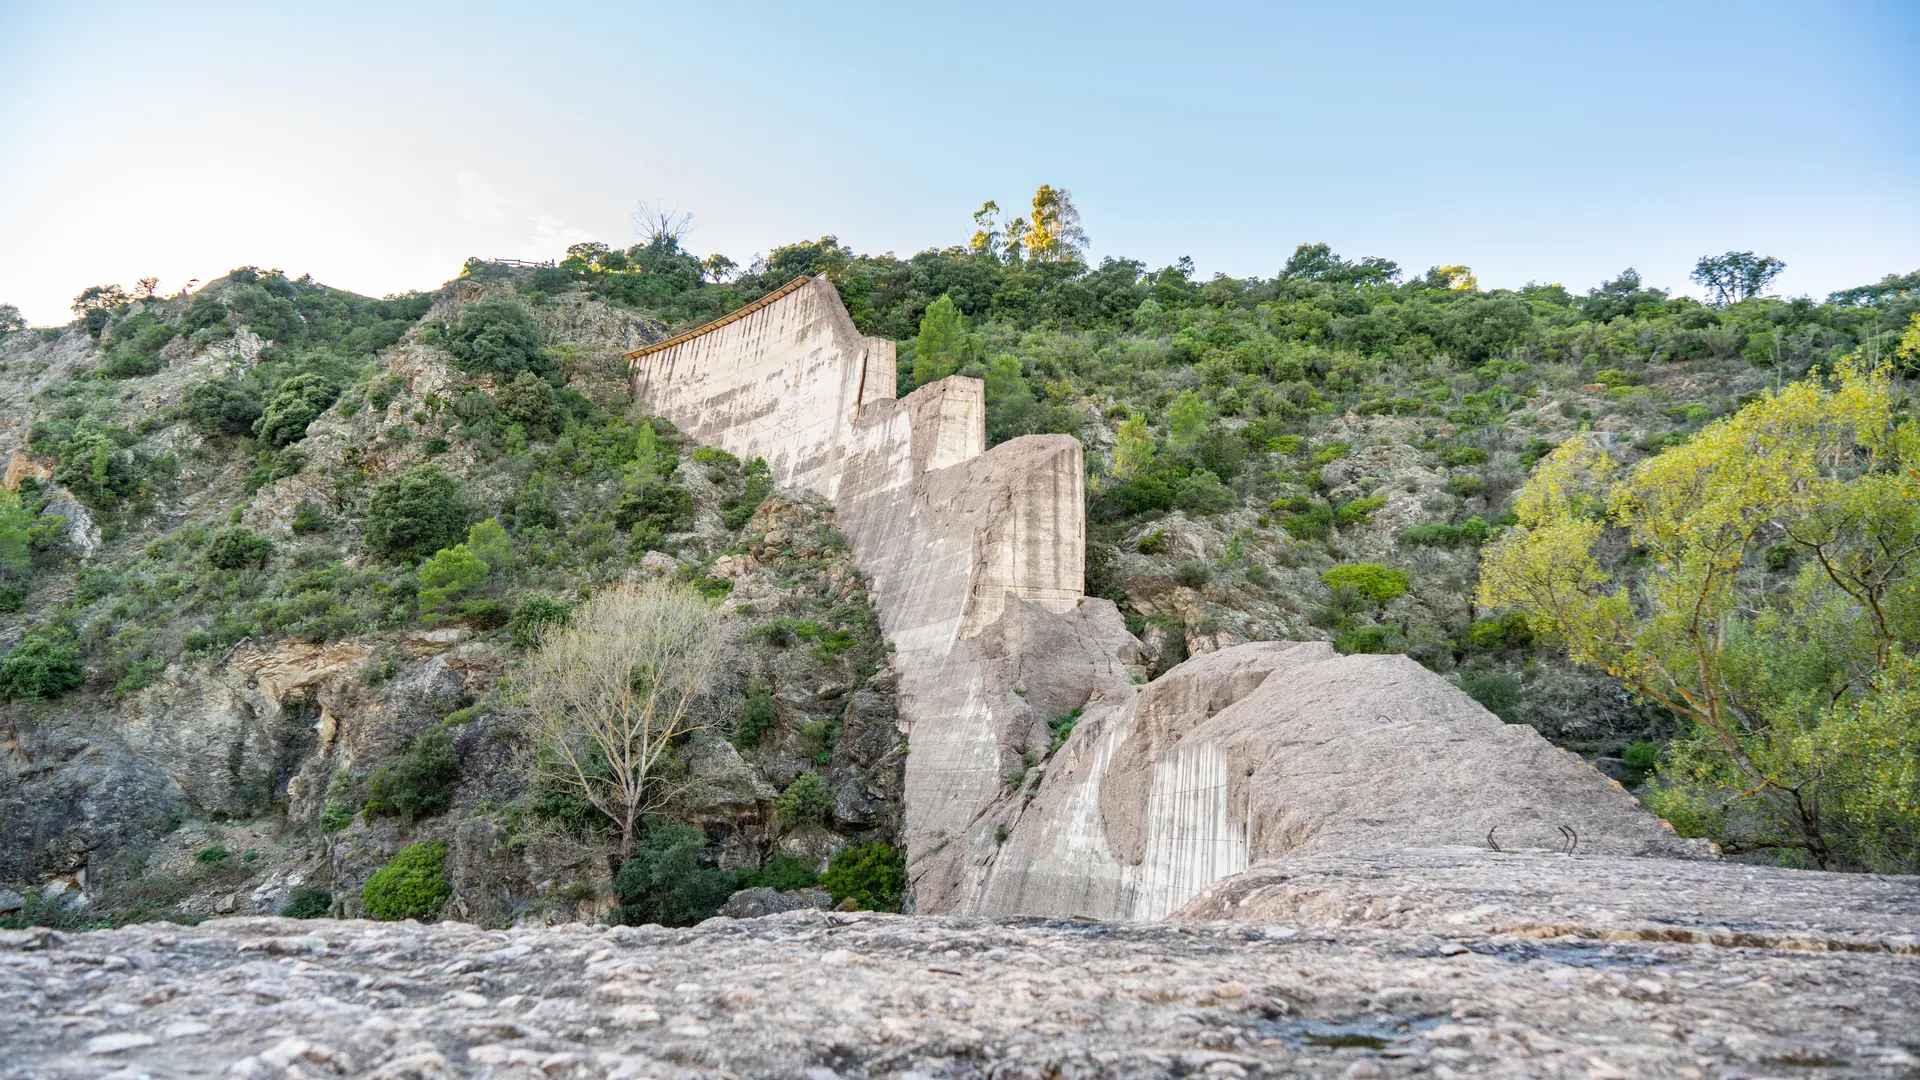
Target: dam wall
949 532
975 556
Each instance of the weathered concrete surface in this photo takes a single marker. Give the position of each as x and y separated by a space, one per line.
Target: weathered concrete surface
953 536
1272 748
1373 989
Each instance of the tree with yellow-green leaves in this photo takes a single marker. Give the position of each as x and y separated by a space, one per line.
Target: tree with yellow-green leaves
1777 613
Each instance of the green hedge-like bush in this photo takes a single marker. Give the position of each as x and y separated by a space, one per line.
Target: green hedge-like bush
666 881
873 875
236 547
412 886
781 871
1371 580
308 902
40 668
421 783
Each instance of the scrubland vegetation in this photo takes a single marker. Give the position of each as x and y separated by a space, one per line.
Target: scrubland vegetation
1703 505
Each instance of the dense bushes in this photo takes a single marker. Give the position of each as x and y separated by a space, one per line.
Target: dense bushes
421 783
412 886
236 548
307 902
416 514
224 406
39 667
873 876
498 338
295 403
1369 580
666 880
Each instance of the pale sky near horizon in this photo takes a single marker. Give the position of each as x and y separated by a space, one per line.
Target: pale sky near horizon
378 146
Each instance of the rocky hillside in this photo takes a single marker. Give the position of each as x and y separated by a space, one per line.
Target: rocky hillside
273 551
270 552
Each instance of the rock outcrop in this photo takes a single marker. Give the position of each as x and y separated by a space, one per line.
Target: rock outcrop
1389 978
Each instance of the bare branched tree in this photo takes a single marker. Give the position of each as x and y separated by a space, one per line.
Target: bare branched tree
660 225
612 690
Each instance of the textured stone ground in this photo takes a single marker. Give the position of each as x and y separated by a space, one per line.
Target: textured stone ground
815 995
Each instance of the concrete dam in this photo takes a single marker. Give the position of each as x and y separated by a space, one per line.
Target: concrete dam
976 557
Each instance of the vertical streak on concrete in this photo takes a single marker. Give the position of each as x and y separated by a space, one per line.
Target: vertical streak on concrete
1192 839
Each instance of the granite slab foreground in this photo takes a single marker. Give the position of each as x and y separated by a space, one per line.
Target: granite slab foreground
813 994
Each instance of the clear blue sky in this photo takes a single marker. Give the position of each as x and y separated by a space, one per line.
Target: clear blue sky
376 146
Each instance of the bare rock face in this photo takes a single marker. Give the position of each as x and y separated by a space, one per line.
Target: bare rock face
1407 991
1271 749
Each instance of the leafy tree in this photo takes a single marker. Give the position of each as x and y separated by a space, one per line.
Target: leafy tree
1056 235
1800 699
11 321
223 406
416 514
1187 421
235 548
38 667
612 691
534 616
1735 276
530 402
16 552
498 338
448 575
489 542
295 403
666 880
412 886
781 871
1133 449
941 346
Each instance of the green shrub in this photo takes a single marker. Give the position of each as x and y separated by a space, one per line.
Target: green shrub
1475 530
1496 632
1201 492
307 902
421 783
1330 452
533 616
1641 755
653 508
1370 639
1371 580
416 514
530 402
448 576
235 548
225 406
498 338
1192 574
756 715
39 668
667 882
781 871
1306 519
309 518
295 403
739 508
806 801
1359 511
213 855
412 886
1497 692
873 875
1455 456
1433 534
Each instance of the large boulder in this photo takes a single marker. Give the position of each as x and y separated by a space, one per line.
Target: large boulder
1268 749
